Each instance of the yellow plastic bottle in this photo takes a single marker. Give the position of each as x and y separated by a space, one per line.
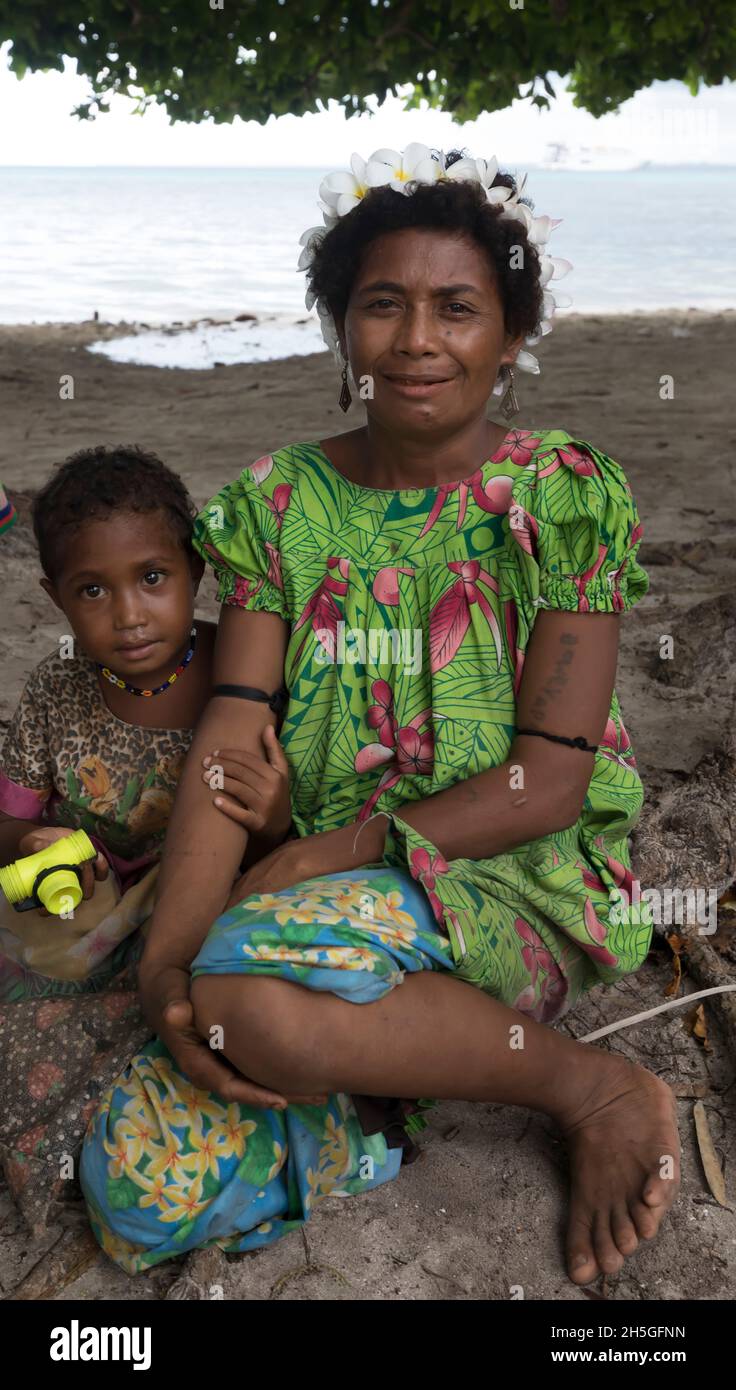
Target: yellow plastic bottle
47 875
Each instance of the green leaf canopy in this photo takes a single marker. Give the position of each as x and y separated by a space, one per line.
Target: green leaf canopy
255 58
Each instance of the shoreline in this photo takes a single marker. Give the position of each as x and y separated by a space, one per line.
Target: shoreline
249 339
130 325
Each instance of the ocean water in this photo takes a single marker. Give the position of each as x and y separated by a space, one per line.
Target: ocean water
161 246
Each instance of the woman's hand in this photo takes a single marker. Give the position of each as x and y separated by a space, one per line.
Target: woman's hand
90 871
168 1008
256 789
311 856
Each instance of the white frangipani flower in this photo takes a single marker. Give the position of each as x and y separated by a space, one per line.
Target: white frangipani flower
342 190
553 268
416 163
543 329
308 240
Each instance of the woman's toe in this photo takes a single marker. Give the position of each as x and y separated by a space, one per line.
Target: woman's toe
659 1191
607 1254
624 1231
645 1220
581 1262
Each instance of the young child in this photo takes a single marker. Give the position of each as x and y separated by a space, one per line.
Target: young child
97 742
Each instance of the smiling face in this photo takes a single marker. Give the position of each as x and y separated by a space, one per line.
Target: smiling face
425 321
128 586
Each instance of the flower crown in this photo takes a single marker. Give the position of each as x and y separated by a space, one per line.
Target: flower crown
341 191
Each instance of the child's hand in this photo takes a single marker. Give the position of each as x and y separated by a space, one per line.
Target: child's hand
46 835
251 790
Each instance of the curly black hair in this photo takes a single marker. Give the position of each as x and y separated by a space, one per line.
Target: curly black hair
454 205
93 483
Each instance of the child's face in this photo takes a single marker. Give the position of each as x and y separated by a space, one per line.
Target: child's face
128 588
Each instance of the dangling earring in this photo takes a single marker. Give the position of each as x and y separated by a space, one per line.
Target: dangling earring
510 402
344 399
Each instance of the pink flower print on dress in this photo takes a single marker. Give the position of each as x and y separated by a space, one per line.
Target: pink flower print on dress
279 503
244 590
525 529
580 580
552 985
423 868
534 952
449 620
458 929
386 584
381 715
569 456
491 496
511 619
622 877
322 608
599 932
616 745
580 461
519 446
615 576
274 566
260 470
494 494
401 751
553 994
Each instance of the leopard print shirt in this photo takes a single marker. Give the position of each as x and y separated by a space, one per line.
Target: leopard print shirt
68 760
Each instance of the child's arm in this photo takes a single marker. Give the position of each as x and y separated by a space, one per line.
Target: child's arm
12 832
254 791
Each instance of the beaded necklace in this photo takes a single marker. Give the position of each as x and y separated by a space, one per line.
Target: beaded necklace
134 689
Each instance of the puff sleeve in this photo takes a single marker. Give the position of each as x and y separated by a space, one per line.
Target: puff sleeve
575 531
237 533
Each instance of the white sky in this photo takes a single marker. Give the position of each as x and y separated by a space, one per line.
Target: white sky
664 123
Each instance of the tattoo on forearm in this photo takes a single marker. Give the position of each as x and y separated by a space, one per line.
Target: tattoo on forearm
559 678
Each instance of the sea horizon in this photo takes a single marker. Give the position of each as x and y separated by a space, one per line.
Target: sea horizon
167 245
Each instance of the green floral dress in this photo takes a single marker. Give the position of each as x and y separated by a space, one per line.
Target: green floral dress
410 614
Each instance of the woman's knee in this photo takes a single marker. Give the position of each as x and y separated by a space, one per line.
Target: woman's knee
262 1021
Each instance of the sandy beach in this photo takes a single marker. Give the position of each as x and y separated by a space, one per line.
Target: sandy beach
428 1235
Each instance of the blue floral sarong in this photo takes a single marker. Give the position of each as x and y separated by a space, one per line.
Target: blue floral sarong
168 1168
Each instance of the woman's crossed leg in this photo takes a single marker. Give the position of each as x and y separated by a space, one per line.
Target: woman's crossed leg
439 1036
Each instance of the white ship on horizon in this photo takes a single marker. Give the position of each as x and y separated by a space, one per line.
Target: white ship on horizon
576 158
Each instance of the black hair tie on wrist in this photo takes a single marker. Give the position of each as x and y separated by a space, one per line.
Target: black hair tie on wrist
578 742
276 702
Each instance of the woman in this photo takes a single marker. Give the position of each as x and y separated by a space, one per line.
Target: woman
461 820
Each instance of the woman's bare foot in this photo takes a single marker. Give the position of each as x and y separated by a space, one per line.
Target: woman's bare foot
624 1152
